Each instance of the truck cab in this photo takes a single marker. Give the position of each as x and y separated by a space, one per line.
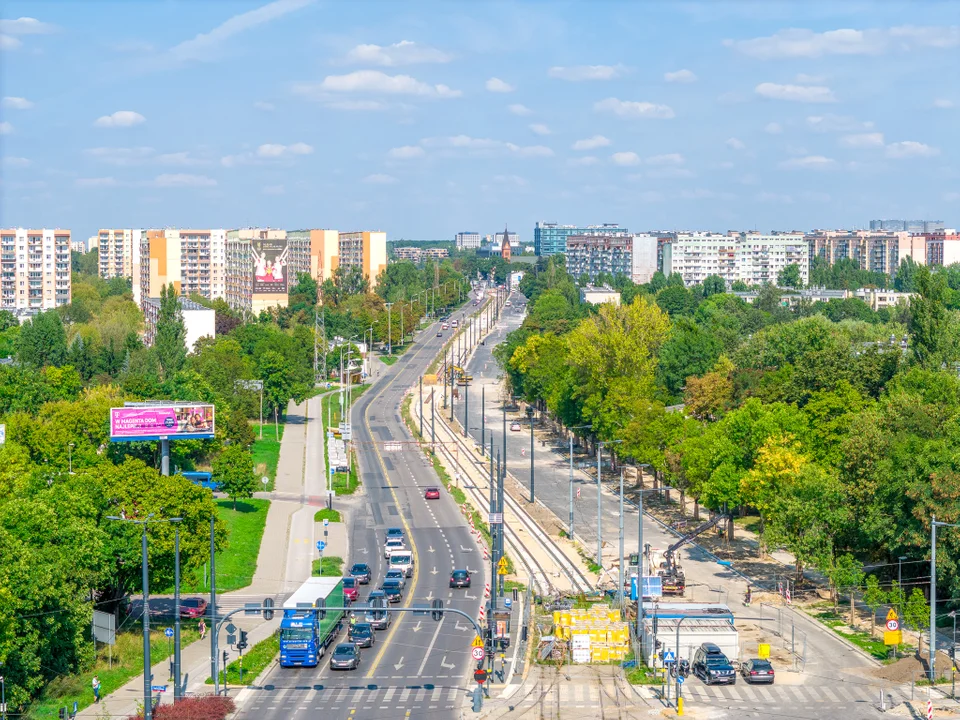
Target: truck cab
304 634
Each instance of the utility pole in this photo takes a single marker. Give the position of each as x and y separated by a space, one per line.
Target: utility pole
599 513
147 674
316 346
620 572
433 417
421 406
501 534
466 409
177 689
389 330
530 413
483 417
213 611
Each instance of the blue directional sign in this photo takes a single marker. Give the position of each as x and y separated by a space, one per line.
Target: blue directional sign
652 586
158 688
680 679
168 632
507 602
669 657
321 545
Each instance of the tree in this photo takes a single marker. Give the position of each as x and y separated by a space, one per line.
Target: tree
170 340
873 597
42 341
690 351
739 286
930 336
676 300
906 277
7 320
845 572
916 614
713 285
710 396
233 467
790 277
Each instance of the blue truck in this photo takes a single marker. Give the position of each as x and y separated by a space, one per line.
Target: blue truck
304 636
203 479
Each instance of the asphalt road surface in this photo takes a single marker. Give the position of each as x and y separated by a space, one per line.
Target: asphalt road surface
418 668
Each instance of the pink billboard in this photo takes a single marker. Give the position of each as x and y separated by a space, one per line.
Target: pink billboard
156 421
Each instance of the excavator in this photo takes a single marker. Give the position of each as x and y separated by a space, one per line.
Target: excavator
671 574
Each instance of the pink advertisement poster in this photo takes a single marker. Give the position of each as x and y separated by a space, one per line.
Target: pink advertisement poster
161 421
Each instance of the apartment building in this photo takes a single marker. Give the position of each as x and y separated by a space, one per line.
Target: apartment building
750 257
199 321
257 268
34 269
435 253
467 240
194 261
511 236
78 246
315 252
416 254
942 246
365 249
914 226
551 238
876 251
119 252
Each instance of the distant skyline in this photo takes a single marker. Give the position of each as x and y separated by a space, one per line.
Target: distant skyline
426 119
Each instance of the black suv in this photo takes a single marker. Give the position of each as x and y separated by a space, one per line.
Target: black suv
712 666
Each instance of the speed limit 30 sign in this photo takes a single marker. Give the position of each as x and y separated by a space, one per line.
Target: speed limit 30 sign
893 625
478 653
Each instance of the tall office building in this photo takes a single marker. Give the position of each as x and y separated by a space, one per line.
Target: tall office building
315 252
467 240
34 269
366 250
119 252
194 261
551 238
750 257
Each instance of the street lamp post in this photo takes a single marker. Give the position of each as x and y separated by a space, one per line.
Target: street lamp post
70 458
934 524
389 330
530 413
599 501
576 427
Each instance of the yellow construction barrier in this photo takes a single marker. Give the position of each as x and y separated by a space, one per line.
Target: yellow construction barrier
608 635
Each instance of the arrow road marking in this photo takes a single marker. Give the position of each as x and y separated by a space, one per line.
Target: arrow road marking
469 597
463 549
399 664
460 628
416 628
364 550
443 663
430 595
434 571
431 549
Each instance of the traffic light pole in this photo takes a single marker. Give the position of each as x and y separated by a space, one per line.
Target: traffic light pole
177 690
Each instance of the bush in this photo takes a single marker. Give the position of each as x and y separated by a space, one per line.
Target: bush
205 707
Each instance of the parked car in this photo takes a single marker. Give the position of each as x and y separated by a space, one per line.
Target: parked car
460 579
351 589
361 572
392 545
393 591
757 671
432 493
193 607
346 656
362 634
515 427
397 575
712 666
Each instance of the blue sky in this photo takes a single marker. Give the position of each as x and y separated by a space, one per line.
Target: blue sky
424 119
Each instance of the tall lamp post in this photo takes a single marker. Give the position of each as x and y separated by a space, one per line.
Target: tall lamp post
600 500
575 427
530 413
934 524
70 447
389 329
147 676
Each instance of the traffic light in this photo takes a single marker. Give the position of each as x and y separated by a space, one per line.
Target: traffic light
242 645
437 612
225 656
63 713
268 609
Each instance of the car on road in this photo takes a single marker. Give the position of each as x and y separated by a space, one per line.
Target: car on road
362 634
379 619
397 575
393 591
460 579
515 427
432 493
193 607
757 671
346 656
361 572
712 666
393 545
351 589
508 303
393 533
439 334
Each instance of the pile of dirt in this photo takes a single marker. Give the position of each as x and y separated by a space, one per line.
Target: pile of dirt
902 671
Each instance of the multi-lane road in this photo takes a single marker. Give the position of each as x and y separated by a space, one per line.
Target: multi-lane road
418 668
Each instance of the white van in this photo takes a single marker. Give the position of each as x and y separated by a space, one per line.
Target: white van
402 560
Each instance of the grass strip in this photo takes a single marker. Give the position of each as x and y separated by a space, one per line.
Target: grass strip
327 514
331 566
863 640
266 451
254 661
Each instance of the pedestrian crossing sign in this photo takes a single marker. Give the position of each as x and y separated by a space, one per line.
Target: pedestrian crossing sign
477 641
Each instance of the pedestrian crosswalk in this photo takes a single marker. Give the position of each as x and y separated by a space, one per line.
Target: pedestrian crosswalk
360 697
782 694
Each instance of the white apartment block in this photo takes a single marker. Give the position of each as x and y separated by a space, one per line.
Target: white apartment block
620 253
514 239
467 240
34 269
78 246
119 252
752 258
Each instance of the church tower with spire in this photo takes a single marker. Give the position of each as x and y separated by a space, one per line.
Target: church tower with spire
505 247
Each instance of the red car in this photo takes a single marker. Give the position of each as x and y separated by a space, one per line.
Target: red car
351 589
432 493
193 607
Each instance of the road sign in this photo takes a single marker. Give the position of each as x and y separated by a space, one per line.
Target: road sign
168 632
668 656
480 676
478 653
231 628
158 688
501 571
477 642
321 545
507 602
763 651
893 625
893 638
502 565
496 518
680 680
891 614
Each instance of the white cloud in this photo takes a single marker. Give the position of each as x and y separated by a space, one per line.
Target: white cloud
736 144
379 179
862 140
121 156
179 158
405 52
183 180
406 152
585 160
8 42
773 128
484 146
910 149
837 123
625 158
260 105
530 150
518 109
373 81
121 118
273 190
97 182
797 42
796 93
670 172
630 109
361 105
498 86
16 162
271 150
540 129
591 143
26 26
667 159
206 46
5 128
943 103
680 76
580 73
809 162
17 103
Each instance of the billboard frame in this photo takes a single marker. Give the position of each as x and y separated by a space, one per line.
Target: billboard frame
148 435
